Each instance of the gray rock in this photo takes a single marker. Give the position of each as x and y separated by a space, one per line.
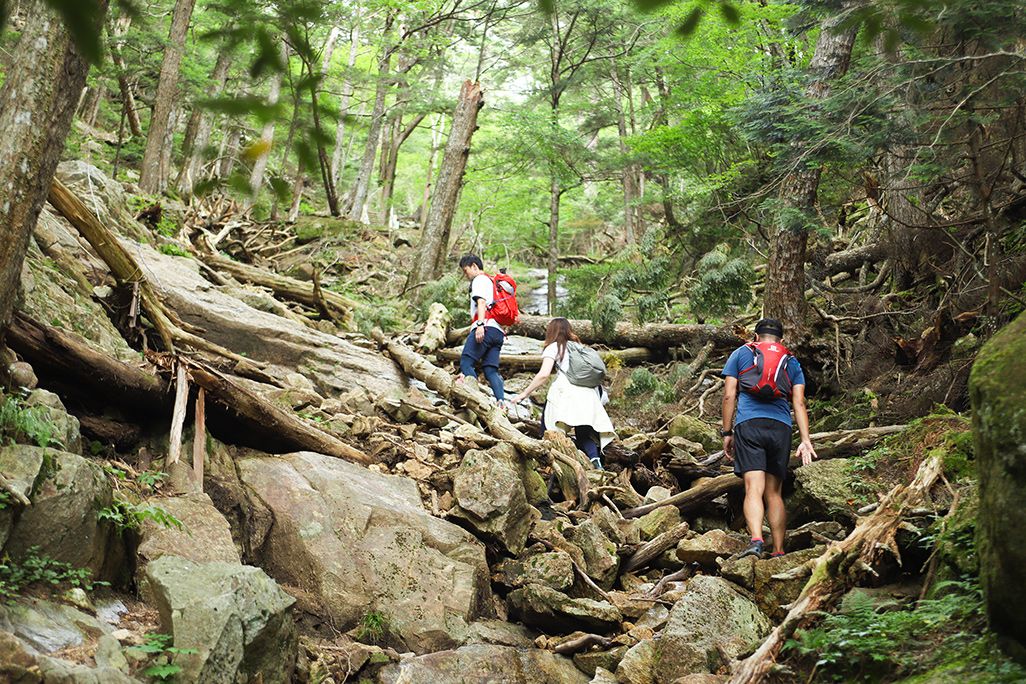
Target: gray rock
660 520
205 535
822 491
706 548
104 196
21 466
638 664
22 375
547 609
500 633
590 662
108 654
762 578
554 570
490 496
65 426
236 617
814 533
483 664
18 664
695 430
47 627
62 520
657 493
359 542
56 671
600 559
603 676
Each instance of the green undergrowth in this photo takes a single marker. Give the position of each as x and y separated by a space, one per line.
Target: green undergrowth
896 459
35 570
127 515
944 639
843 412
160 654
21 424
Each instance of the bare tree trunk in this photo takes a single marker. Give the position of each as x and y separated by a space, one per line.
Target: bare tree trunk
195 152
90 108
629 173
555 195
435 138
127 95
399 136
229 152
343 106
785 280
150 178
361 186
256 177
435 241
37 103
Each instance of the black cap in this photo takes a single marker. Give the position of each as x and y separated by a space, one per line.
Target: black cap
769 326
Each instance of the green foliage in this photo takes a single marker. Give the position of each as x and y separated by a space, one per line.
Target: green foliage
20 423
172 249
886 642
642 381
450 290
373 628
723 282
161 652
34 569
381 313
126 515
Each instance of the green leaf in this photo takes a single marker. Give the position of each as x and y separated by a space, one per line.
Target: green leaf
547 6
730 13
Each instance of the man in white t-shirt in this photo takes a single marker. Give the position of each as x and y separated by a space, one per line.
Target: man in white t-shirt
484 344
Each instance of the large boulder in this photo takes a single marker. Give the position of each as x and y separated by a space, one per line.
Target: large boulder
695 430
600 559
203 537
64 427
997 390
704 549
359 542
772 581
47 627
554 569
712 621
62 520
236 618
822 491
103 195
549 610
332 363
21 466
490 496
484 664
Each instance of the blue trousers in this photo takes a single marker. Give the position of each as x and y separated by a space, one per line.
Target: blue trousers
487 353
586 438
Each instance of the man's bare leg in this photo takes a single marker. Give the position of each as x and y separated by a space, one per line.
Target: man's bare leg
755 487
774 498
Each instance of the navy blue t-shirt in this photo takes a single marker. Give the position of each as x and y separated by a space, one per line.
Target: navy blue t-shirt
748 406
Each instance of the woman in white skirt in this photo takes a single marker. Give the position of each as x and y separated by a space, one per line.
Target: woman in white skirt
568 405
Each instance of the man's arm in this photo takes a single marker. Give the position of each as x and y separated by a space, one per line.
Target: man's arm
482 309
801 416
729 405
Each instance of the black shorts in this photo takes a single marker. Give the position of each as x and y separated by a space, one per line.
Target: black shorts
762 444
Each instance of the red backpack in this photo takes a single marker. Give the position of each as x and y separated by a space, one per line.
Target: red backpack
503 309
767 377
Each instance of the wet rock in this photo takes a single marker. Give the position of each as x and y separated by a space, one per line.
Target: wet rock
695 430
483 663
554 570
589 662
358 542
822 491
660 520
62 520
490 497
600 559
236 618
706 548
205 535
539 606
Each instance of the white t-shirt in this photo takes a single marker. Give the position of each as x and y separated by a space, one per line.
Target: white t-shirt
552 352
481 288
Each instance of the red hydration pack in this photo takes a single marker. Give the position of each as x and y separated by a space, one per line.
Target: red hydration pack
767 377
503 309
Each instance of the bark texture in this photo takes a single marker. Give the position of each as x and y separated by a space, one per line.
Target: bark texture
151 178
37 102
195 149
785 279
435 243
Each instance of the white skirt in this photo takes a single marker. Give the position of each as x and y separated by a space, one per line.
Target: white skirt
569 405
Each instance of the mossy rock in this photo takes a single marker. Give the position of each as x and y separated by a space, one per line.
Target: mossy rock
997 390
695 430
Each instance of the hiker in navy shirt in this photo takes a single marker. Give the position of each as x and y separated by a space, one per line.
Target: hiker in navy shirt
758 438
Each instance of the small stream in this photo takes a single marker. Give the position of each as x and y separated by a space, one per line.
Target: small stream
536 300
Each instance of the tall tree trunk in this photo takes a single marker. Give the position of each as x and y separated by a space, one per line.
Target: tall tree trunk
343 106
361 185
555 194
663 179
629 173
128 103
400 135
436 135
256 176
435 242
150 178
785 279
229 152
196 150
322 155
37 103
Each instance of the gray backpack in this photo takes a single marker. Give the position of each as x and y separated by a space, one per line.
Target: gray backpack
585 368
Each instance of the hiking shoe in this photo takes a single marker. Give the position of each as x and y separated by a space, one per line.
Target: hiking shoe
754 549
596 464
777 554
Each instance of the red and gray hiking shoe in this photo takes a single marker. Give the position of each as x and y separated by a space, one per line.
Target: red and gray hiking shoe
754 549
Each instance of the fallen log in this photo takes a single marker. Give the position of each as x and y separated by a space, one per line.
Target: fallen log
485 408
435 328
852 259
282 286
655 548
534 361
651 335
692 498
843 565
